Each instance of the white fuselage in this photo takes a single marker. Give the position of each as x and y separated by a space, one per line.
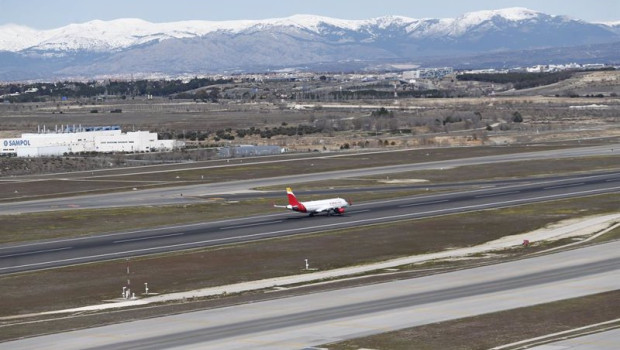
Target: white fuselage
324 205
327 206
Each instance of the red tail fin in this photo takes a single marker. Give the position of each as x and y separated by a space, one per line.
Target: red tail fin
292 200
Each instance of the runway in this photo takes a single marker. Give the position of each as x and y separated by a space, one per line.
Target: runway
319 318
187 194
63 252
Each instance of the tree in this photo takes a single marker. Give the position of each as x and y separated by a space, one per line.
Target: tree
382 112
517 118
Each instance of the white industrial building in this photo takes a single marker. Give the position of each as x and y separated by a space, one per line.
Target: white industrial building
90 139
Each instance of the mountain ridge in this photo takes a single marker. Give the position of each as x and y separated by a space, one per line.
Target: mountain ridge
123 46
118 33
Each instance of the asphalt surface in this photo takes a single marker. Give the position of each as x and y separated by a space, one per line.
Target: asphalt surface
609 340
319 318
63 252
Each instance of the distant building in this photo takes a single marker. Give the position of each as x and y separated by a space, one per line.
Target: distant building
427 73
537 69
84 139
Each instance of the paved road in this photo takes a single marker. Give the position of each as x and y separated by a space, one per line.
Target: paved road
38 255
609 340
318 318
172 195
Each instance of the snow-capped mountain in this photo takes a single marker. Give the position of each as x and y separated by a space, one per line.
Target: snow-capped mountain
615 26
126 46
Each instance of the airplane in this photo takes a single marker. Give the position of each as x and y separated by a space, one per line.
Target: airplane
328 206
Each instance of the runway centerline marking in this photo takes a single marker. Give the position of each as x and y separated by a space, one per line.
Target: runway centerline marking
425 203
358 211
35 252
496 194
145 238
563 186
249 225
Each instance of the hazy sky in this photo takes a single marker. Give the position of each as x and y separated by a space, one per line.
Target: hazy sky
46 14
